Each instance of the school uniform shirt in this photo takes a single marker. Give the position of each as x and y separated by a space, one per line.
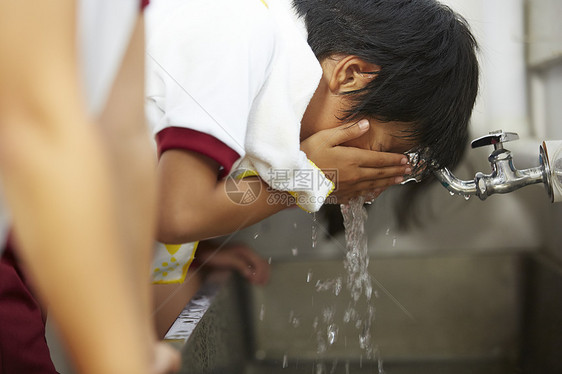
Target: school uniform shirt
231 81
206 63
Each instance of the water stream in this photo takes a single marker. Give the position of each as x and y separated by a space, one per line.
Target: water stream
358 281
360 312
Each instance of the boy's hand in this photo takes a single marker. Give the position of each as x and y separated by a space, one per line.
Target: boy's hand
359 171
238 257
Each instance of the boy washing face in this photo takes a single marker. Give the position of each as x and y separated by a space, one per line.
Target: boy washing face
360 81
409 66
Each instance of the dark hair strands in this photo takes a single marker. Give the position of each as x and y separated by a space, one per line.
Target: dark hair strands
429 70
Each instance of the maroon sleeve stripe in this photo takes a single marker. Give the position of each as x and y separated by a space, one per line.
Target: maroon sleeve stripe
144 4
196 141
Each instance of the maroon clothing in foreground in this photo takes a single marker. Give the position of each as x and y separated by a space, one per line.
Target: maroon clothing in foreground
23 348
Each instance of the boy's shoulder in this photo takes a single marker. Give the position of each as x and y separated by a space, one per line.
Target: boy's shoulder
206 18
210 30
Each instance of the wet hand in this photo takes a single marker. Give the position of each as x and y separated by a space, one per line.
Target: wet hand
357 171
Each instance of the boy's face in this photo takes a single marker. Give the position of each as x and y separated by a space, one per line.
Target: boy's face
384 137
328 105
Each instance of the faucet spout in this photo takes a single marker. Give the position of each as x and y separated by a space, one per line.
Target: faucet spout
454 184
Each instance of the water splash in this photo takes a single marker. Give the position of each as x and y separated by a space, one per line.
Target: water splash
350 315
332 333
338 286
328 314
379 361
334 285
357 281
295 251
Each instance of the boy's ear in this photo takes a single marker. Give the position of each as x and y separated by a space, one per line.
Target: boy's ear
352 73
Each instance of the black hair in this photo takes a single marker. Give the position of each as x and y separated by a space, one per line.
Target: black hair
428 74
428 67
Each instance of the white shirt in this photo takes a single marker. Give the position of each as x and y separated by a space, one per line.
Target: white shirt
206 63
240 72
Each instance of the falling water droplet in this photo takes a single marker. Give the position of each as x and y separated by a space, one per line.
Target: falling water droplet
466 197
332 333
309 276
295 225
285 361
349 315
328 314
451 193
368 291
295 251
256 235
269 260
322 346
394 241
338 285
387 231
365 339
296 322
262 312
314 230
291 315
334 366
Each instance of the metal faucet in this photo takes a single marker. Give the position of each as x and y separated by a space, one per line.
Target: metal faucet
504 177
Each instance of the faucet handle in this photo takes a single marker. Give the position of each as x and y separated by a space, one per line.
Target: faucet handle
495 138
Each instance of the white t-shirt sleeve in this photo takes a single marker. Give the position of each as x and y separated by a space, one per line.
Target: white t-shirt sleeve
206 63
